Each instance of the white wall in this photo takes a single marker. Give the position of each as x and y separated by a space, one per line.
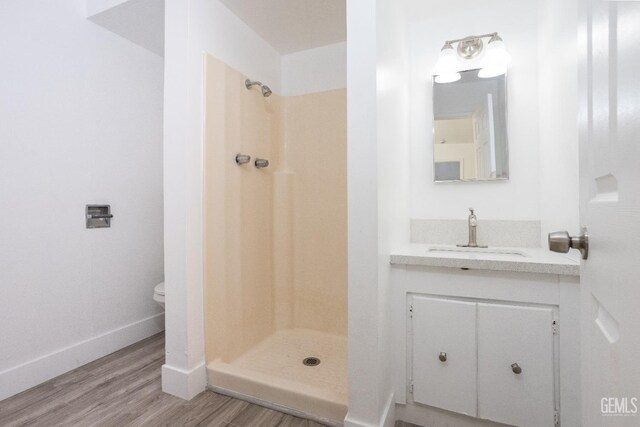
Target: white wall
394 179
192 28
365 374
80 122
431 24
314 70
558 93
378 191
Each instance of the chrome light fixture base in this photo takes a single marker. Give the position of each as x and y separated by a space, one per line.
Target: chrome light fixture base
470 47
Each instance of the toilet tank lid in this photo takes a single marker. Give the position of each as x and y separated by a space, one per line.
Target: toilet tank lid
159 289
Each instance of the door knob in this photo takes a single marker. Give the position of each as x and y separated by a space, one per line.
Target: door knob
561 241
443 357
516 369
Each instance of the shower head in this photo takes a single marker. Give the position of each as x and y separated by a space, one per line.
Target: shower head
266 91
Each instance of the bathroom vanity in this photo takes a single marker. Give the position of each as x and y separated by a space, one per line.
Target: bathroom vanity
486 334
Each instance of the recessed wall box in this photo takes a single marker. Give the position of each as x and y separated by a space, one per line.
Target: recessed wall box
98 216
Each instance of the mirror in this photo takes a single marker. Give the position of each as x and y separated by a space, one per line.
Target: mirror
470 129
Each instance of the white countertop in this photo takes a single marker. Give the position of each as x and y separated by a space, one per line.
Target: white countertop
526 260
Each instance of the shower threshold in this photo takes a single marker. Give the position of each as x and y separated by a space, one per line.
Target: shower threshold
273 372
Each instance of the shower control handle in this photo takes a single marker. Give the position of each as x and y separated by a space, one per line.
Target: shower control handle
443 357
261 163
241 159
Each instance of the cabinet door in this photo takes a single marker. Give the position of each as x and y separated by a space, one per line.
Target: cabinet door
524 336
444 326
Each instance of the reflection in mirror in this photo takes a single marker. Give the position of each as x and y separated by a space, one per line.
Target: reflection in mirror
470 129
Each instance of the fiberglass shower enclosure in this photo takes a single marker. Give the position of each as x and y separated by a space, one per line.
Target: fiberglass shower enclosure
276 245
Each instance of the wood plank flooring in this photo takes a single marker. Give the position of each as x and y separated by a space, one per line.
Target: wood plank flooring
124 389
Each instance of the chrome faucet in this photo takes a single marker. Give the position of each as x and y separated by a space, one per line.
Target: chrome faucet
473 225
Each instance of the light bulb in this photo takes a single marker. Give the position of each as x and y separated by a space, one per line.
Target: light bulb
496 59
487 72
447 67
448 78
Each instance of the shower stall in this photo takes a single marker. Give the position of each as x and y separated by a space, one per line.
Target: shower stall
275 244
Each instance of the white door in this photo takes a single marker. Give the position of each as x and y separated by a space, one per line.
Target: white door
610 208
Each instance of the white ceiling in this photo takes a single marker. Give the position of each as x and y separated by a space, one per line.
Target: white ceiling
139 21
293 25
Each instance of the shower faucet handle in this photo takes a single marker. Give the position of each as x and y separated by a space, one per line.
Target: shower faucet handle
261 163
241 159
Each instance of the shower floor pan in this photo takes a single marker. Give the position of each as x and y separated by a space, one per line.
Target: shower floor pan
273 371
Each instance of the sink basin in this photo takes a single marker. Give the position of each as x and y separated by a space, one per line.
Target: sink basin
455 251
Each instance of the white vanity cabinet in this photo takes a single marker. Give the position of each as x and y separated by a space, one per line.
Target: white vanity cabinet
490 360
474 347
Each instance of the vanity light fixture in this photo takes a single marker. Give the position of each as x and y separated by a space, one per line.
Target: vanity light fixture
496 58
493 63
447 68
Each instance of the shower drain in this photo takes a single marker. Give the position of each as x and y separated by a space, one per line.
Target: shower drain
311 361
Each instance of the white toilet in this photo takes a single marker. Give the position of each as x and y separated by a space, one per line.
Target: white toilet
158 294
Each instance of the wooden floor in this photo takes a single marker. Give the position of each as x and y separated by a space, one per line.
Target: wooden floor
123 389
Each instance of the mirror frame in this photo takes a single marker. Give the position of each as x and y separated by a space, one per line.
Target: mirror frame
433 131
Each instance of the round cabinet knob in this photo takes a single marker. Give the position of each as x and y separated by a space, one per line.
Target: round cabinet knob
516 369
443 357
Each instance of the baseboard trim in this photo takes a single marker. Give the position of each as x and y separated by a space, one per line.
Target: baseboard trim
387 418
185 384
29 374
422 415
